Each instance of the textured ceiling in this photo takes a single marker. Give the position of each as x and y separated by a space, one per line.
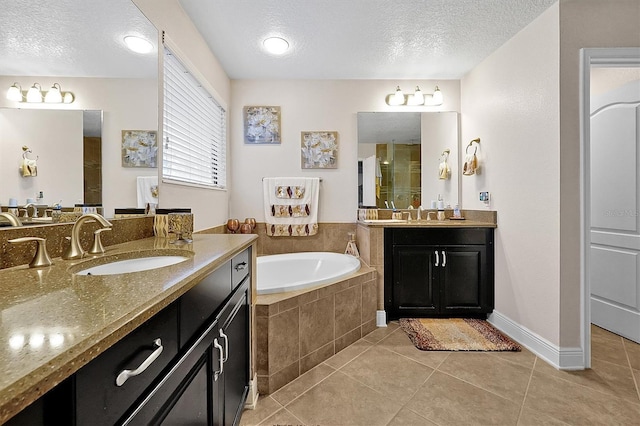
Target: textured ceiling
73 38
359 39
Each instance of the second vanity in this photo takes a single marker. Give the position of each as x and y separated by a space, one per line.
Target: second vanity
431 268
67 339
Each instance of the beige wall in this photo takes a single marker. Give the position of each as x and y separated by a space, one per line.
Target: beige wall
583 23
511 102
127 104
210 207
311 105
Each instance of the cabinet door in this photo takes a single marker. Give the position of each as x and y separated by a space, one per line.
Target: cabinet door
415 290
234 337
463 279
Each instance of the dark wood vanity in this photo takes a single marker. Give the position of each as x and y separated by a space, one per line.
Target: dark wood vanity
438 272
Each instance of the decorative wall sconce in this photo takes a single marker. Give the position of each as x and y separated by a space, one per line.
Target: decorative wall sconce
35 94
471 159
417 98
444 171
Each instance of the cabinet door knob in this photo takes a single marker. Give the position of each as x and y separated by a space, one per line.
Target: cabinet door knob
444 259
217 374
226 345
437 258
125 374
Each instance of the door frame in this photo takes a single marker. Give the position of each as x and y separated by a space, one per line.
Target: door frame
610 57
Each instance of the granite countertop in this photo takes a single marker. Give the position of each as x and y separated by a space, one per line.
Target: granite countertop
53 322
447 223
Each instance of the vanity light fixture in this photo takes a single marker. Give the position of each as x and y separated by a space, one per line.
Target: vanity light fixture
418 98
35 94
138 44
275 45
15 93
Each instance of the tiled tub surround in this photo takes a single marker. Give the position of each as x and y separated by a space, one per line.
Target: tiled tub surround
298 330
91 312
331 237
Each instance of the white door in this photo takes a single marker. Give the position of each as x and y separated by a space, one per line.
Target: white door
615 211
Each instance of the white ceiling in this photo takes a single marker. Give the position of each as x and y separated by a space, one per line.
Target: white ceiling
82 38
359 39
330 39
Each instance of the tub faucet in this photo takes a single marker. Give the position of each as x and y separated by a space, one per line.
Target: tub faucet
12 218
75 250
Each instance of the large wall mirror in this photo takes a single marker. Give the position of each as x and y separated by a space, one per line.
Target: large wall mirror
78 44
407 159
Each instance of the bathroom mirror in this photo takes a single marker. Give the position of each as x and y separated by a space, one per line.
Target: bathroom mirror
400 158
79 43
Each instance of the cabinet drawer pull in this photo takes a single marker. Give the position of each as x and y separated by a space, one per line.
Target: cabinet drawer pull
125 374
217 374
444 258
437 258
226 345
240 266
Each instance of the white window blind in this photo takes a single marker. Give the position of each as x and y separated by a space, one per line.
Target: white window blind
193 129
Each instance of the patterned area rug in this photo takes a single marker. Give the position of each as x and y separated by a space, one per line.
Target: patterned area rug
456 334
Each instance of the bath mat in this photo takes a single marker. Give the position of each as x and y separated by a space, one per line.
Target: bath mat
456 334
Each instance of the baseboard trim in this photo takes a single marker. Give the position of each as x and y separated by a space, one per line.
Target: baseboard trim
252 396
560 358
381 318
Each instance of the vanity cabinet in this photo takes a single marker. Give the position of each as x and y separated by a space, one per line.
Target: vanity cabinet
192 361
442 272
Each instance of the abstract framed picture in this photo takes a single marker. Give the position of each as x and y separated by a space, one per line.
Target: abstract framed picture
319 150
139 148
262 124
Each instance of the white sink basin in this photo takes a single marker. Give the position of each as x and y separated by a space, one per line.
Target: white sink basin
132 265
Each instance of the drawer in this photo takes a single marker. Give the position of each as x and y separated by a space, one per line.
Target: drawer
99 400
441 236
240 267
202 301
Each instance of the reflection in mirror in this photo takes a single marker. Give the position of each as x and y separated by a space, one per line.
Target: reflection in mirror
399 155
78 44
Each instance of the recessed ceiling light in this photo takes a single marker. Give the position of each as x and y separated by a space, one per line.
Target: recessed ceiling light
276 45
138 44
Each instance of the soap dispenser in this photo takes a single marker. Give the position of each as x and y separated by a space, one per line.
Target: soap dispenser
440 214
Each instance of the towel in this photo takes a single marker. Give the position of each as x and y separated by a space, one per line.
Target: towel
291 206
147 191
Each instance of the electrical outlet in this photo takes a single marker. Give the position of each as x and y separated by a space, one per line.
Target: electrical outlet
484 196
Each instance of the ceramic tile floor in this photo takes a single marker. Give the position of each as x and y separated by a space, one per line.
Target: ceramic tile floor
383 380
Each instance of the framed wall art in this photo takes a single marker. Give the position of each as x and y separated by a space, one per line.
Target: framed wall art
319 150
139 148
262 124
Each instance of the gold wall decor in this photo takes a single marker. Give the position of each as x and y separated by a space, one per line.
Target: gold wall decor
139 148
319 150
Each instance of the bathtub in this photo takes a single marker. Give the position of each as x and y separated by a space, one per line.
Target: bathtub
296 271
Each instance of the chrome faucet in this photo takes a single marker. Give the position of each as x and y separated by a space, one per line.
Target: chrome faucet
419 213
75 250
12 218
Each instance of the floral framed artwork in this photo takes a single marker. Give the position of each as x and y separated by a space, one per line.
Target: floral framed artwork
262 124
139 148
319 150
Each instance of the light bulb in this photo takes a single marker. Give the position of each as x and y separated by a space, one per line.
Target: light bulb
34 94
418 97
437 97
53 96
15 93
398 98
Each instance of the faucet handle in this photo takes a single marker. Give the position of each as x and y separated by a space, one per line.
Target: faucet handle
41 257
97 247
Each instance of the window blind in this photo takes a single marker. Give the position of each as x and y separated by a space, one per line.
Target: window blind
194 130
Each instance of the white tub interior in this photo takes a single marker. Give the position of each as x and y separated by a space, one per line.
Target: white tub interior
296 271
